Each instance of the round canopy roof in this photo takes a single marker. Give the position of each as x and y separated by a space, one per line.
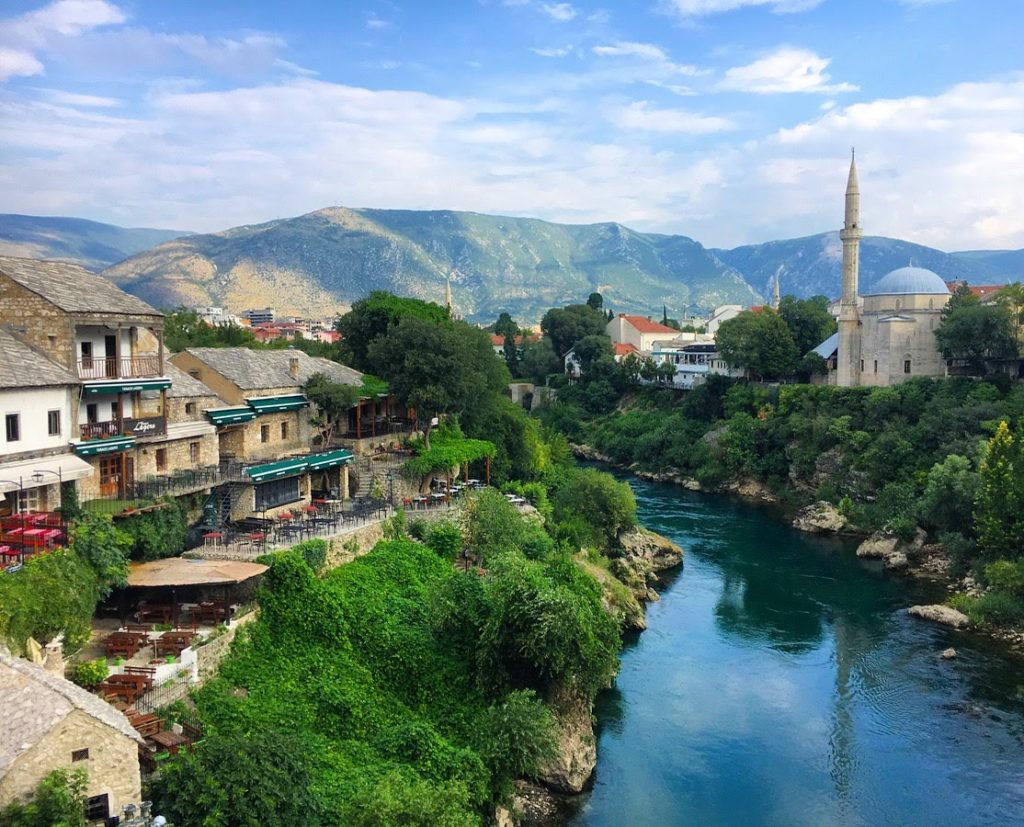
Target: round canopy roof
909 280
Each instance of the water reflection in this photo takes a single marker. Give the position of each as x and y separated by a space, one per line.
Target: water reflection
781 682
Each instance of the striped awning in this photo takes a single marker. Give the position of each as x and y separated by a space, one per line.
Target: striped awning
230 416
125 386
277 470
96 447
276 404
329 459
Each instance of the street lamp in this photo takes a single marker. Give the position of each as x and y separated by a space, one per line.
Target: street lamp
37 476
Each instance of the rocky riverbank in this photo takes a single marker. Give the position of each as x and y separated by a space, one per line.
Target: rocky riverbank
628 583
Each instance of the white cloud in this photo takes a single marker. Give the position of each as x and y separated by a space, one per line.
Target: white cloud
73 99
641 116
17 62
645 51
784 70
562 12
21 37
701 8
553 52
374 22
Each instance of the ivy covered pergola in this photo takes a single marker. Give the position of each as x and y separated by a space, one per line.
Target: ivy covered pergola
448 450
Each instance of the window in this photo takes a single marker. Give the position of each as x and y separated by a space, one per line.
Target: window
97 808
862 364
906 366
29 500
52 340
53 423
195 374
277 492
284 430
193 452
190 407
80 755
13 424
876 366
92 412
264 433
161 459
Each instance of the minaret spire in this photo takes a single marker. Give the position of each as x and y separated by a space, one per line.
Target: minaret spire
448 294
776 290
849 357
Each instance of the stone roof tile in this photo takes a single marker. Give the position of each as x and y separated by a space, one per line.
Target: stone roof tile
22 366
73 288
253 370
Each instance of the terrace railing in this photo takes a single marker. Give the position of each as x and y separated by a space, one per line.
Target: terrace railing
102 430
127 367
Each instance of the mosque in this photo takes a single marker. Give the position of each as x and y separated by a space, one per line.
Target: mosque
887 335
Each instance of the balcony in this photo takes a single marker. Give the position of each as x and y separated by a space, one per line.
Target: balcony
102 430
127 367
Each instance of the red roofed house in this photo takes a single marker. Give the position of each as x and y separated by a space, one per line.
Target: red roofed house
638 331
984 292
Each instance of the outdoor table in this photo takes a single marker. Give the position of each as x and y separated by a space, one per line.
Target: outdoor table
34 536
50 535
285 516
10 555
121 644
156 611
170 741
310 509
213 538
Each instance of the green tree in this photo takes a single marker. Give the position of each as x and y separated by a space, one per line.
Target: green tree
332 401
437 368
183 328
105 547
510 352
539 361
400 798
999 507
506 326
372 317
590 349
977 333
595 301
258 779
605 505
948 498
808 321
760 343
59 801
566 326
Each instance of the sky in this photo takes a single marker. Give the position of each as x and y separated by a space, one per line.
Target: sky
729 121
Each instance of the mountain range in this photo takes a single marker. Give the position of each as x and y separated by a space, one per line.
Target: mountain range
315 264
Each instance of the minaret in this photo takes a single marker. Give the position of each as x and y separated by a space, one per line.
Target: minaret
776 299
848 361
448 295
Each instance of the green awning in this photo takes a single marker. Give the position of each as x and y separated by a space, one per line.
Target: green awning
125 386
113 445
276 404
230 416
276 470
330 459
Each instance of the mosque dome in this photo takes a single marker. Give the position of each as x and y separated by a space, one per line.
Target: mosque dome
909 280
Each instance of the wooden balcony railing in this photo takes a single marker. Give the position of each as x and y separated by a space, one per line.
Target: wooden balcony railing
127 367
102 430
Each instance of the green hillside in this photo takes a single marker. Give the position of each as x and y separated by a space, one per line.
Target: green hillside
89 243
337 255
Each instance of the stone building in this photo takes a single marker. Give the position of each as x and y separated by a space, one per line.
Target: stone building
887 335
36 401
264 429
112 342
50 723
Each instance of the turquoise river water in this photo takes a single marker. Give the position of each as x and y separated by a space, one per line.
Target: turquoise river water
780 682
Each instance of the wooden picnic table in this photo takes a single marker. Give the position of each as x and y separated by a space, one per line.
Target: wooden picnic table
172 643
155 611
122 643
212 612
128 687
147 673
170 741
146 725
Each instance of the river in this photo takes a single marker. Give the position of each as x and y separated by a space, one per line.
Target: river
780 682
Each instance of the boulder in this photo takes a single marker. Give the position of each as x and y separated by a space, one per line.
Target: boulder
752 489
640 544
949 654
537 806
878 546
819 518
575 754
938 613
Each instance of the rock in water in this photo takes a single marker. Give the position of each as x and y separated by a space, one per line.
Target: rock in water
949 654
639 543
819 518
941 614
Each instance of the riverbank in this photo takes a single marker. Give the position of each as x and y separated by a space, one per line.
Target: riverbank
914 558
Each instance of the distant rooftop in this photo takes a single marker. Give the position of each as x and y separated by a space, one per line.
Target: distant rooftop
22 366
643 325
72 288
254 370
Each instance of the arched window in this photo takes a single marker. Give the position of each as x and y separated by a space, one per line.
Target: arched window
906 363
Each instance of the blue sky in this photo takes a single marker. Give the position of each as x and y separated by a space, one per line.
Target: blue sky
726 120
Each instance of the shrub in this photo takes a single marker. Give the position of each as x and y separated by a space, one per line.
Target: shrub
59 801
604 504
159 533
445 539
105 547
401 798
314 552
88 673
517 735
418 528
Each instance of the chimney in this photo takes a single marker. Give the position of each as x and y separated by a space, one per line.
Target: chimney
293 367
